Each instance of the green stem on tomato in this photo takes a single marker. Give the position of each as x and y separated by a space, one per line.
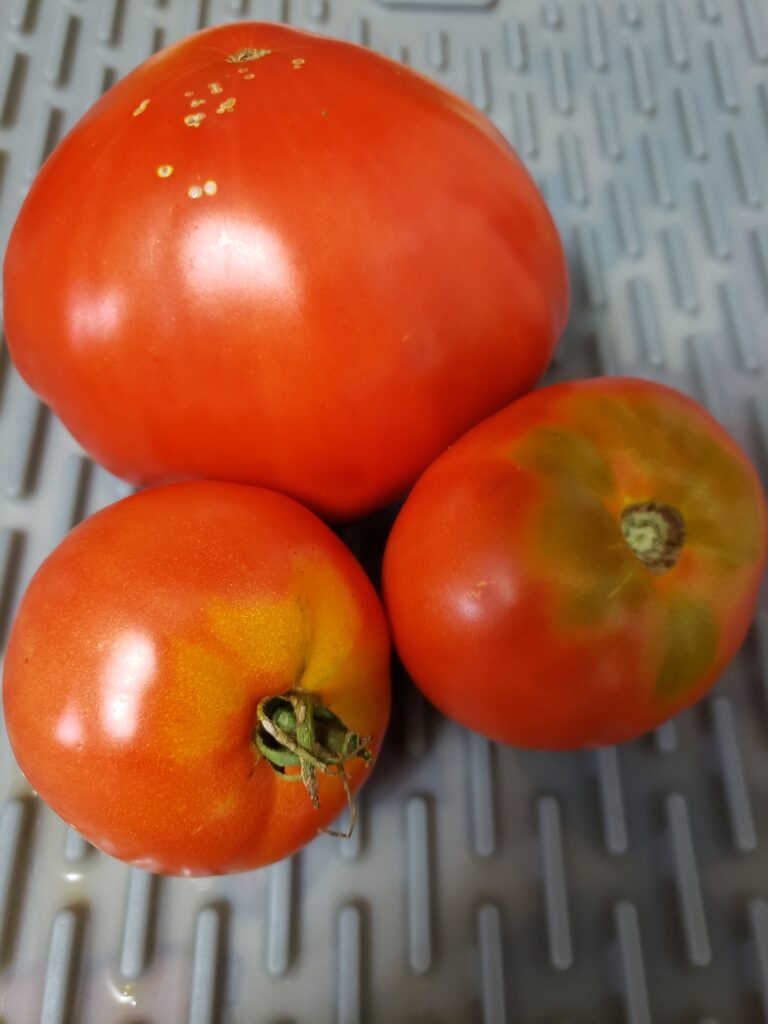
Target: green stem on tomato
294 730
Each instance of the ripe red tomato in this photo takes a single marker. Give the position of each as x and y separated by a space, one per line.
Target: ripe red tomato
148 645
272 257
579 567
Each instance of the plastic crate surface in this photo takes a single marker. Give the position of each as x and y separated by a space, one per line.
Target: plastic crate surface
484 884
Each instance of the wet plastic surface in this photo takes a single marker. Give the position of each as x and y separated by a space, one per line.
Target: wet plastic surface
484 884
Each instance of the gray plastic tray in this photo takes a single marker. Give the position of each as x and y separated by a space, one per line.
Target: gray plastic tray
484 884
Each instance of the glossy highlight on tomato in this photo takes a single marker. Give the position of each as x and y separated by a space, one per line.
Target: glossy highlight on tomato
141 658
276 258
579 567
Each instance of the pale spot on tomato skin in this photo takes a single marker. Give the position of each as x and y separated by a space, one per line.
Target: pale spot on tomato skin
210 188
189 92
141 108
227 804
480 586
247 78
194 120
297 62
215 88
197 103
247 54
164 171
227 106
194 192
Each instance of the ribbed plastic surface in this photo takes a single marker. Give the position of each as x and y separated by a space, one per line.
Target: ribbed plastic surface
484 884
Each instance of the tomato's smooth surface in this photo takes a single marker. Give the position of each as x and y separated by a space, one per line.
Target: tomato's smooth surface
272 257
142 649
515 599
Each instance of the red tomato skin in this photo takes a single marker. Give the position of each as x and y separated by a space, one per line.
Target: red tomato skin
141 649
374 272
484 596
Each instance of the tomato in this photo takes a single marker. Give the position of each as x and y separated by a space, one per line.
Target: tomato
275 258
158 649
579 567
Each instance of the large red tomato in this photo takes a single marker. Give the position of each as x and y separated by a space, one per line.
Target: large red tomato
578 567
175 661
271 257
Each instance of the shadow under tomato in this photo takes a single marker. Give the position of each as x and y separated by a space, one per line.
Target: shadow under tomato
414 728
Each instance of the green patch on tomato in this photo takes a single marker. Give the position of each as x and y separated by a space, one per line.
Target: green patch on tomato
690 642
564 456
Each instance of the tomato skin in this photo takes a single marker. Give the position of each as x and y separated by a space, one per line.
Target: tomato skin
514 599
374 273
141 650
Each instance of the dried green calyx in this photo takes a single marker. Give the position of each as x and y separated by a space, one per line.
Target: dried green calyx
295 731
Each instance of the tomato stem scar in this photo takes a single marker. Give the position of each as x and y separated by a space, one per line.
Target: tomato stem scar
294 730
655 533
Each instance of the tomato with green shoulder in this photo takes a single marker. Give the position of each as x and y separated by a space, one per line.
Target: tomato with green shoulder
578 567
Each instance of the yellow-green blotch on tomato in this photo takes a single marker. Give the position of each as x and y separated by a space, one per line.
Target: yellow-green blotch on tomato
578 567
